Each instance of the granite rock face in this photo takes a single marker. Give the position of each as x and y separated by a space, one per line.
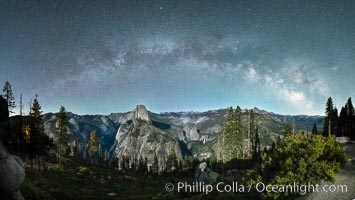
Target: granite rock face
12 169
12 174
137 139
141 112
191 132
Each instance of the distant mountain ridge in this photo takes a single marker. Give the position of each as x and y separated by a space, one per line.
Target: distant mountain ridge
194 132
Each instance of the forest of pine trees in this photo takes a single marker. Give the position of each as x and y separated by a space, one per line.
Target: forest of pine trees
233 142
342 125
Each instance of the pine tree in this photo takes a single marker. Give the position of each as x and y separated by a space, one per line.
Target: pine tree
256 146
93 146
227 134
171 163
61 134
9 97
155 165
314 130
349 107
21 126
231 140
142 165
39 141
288 130
181 166
334 125
329 112
252 132
349 123
10 100
238 136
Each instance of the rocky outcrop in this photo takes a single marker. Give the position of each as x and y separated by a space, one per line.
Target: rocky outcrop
204 139
12 172
141 112
12 169
138 139
343 140
191 132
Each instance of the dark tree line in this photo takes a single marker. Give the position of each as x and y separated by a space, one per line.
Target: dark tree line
346 121
342 124
24 135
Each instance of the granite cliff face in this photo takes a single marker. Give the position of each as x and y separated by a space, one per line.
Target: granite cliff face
138 139
191 132
80 127
141 112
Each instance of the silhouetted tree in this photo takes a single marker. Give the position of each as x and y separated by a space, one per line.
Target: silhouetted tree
330 119
8 96
346 121
10 100
349 107
4 115
314 130
39 141
334 126
341 121
20 127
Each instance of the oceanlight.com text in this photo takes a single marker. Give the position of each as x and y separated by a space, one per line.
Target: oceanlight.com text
235 187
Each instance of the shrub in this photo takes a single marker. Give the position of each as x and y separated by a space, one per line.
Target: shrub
30 191
302 159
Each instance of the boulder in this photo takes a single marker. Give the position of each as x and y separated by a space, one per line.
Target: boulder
12 169
343 140
205 175
3 152
12 172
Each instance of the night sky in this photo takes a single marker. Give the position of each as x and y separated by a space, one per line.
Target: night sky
101 57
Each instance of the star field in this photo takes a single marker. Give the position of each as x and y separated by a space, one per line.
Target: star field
287 57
